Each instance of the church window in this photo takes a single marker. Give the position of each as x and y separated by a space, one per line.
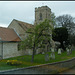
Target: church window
18 46
40 16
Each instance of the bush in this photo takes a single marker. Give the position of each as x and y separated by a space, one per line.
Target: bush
13 62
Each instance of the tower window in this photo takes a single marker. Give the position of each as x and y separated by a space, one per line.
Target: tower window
40 16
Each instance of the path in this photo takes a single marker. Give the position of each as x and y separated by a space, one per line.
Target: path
43 70
70 71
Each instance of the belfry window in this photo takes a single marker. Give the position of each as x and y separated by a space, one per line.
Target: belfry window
40 16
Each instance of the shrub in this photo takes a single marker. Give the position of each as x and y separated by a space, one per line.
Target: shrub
13 62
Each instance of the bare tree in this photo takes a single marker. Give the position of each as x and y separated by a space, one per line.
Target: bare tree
65 21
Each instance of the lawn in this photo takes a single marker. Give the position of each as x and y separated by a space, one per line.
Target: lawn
38 60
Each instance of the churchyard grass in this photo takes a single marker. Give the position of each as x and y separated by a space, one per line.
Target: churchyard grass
38 60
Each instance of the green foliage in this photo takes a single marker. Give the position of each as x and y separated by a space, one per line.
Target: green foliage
43 31
38 34
72 39
27 43
60 35
67 21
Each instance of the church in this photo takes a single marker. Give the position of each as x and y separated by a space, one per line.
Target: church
16 32
41 13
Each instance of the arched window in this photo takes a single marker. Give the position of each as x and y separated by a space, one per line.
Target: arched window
40 16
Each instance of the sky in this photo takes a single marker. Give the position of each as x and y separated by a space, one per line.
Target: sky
25 10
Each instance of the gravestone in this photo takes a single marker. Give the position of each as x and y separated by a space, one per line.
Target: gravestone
68 51
46 57
43 52
52 56
52 50
59 51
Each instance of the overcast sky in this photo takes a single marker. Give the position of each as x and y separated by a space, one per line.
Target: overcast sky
25 10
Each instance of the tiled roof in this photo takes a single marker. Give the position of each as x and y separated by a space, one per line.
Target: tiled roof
24 25
7 34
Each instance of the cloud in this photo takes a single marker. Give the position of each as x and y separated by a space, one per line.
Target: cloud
25 10
3 25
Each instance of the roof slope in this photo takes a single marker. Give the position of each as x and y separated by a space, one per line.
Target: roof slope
7 34
24 25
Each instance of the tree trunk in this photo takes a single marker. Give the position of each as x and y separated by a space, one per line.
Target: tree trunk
33 54
62 45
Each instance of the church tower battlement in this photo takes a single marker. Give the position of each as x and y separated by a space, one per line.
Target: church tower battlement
42 13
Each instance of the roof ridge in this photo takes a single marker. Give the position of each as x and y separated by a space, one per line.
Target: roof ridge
21 21
6 28
24 25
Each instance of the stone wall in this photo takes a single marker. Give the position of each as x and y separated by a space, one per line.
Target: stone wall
11 50
57 66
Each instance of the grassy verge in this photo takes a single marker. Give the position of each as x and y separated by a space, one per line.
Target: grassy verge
38 60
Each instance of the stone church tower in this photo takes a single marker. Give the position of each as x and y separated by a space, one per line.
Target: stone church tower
42 13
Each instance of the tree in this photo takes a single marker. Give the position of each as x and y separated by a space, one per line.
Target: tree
53 18
60 35
37 35
72 39
65 21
